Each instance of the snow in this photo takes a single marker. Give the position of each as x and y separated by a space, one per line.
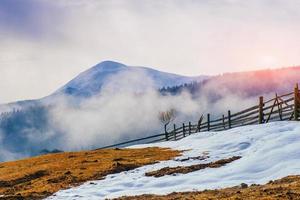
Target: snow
269 151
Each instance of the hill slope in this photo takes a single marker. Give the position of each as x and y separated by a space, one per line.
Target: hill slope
243 157
41 176
263 153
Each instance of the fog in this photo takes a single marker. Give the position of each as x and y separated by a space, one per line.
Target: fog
128 107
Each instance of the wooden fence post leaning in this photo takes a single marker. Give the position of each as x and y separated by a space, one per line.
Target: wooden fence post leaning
279 106
296 102
208 122
229 119
261 110
183 129
199 124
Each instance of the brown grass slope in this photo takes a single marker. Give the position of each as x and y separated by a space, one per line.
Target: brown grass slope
287 188
39 177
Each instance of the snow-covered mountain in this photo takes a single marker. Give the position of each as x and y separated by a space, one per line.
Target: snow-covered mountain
90 82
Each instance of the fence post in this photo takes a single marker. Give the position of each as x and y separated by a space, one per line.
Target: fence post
183 129
208 122
279 106
190 128
223 121
229 119
166 132
174 131
261 110
199 124
296 102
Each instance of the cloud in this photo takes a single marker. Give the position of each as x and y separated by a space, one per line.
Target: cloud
33 19
46 43
128 107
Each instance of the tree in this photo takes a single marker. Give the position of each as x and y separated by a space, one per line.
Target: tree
166 117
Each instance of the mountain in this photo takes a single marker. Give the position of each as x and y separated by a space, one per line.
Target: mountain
90 82
27 127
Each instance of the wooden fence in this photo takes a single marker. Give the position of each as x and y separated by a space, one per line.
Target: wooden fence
279 108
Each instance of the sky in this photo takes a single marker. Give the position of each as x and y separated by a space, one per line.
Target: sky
46 43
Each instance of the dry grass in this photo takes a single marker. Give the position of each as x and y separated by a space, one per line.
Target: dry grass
192 168
41 176
287 188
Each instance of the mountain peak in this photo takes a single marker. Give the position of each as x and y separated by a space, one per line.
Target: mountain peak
109 65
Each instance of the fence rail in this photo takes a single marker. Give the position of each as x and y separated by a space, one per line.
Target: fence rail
283 107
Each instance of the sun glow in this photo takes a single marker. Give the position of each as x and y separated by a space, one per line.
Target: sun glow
268 60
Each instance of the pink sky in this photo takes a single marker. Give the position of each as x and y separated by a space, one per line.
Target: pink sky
46 43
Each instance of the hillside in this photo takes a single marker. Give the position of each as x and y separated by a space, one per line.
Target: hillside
39 177
250 155
252 162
